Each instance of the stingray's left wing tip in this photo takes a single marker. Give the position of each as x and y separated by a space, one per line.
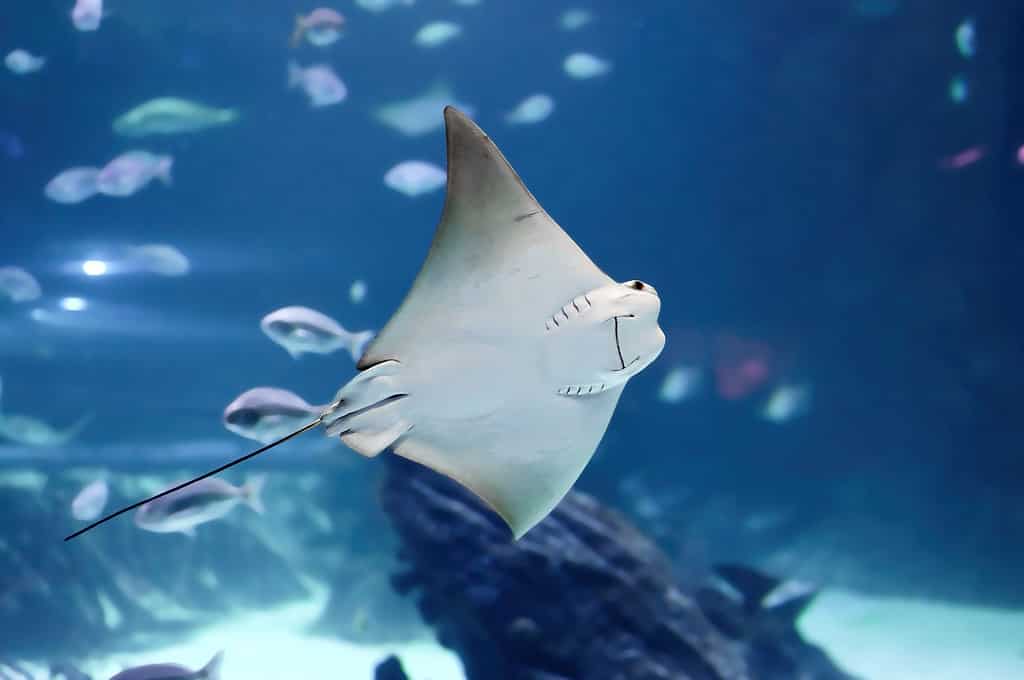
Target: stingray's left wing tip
460 126
451 113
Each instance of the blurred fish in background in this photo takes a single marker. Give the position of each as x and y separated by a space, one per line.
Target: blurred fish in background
819 478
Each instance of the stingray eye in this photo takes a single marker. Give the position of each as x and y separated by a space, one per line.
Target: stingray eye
636 285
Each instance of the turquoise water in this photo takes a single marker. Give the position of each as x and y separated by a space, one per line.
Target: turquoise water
825 196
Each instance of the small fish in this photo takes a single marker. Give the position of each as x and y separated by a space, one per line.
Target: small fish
680 383
964 37
321 27
31 431
1020 155
357 291
786 402
73 185
303 330
22 62
533 109
436 33
268 413
172 671
320 83
581 65
958 89
421 114
86 14
18 285
90 501
741 366
414 178
204 501
575 19
383 5
159 258
958 161
169 116
132 171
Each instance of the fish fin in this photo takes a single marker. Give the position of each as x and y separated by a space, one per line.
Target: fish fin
358 342
252 493
294 74
211 671
300 30
163 171
751 584
72 431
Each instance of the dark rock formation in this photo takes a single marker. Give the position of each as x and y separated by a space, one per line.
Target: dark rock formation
390 669
583 596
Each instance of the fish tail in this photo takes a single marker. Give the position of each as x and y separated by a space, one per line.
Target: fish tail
358 342
77 427
163 171
211 671
300 29
252 493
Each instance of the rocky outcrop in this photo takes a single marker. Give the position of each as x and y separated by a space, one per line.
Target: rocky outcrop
583 596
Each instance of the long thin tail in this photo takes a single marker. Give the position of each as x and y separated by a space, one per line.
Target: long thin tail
211 473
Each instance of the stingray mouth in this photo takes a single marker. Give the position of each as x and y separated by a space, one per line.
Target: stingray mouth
618 343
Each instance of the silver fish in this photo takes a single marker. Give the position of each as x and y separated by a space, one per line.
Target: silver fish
267 413
173 671
303 330
171 115
90 501
204 501
18 285
31 431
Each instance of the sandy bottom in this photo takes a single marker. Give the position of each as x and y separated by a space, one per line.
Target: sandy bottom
872 638
271 645
900 639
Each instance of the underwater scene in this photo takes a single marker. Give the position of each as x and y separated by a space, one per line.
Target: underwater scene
511 340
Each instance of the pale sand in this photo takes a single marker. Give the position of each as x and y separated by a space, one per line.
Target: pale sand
903 639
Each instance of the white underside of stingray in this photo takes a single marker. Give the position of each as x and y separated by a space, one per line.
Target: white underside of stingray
502 367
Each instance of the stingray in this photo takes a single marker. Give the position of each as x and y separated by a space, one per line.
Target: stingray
504 364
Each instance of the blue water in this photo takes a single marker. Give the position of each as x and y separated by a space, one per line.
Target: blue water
775 171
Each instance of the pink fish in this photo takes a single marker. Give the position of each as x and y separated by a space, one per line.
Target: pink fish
321 27
74 185
132 171
741 366
320 83
968 156
1020 154
86 14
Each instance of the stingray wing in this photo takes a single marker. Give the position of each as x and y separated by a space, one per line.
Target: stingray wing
521 474
498 264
